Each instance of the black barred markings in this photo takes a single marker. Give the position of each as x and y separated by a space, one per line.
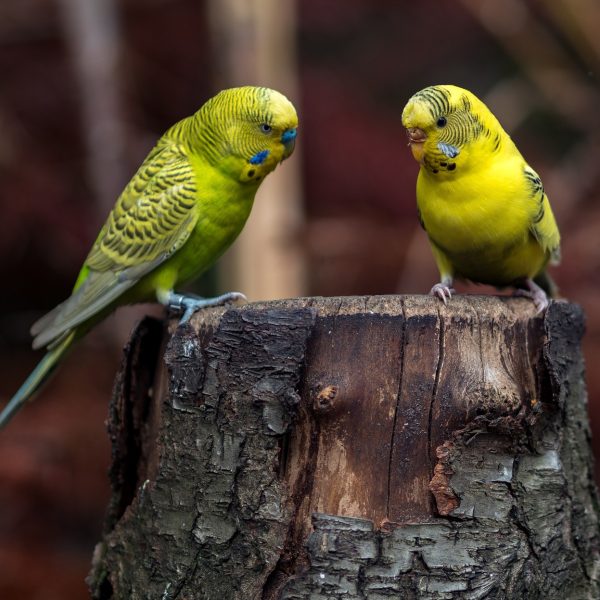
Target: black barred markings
437 99
150 223
460 125
209 126
463 127
497 142
537 192
534 180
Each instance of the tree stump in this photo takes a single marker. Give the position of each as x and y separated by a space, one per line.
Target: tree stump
345 448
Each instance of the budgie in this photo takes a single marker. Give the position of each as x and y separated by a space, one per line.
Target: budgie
482 206
184 206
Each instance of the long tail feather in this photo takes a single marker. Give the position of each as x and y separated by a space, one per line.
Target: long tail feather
37 377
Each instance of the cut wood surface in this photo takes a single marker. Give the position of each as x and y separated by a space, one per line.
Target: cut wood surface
377 447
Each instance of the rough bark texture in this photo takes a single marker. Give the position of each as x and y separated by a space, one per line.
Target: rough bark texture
386 447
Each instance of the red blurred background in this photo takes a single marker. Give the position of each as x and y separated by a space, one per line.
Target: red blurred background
88 85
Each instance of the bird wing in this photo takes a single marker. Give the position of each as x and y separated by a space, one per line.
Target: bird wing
543 225
151 220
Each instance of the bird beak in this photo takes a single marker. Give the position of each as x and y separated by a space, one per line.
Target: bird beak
415 135
288 139
416 141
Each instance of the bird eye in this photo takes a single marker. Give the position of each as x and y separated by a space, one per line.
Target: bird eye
441 122
266 128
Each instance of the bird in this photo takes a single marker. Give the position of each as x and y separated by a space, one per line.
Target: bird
182 209
484 209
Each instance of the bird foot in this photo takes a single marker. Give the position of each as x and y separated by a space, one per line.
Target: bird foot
188 305
442 291
534 292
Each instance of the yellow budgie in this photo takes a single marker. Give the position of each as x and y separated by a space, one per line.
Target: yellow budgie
185 205
482 206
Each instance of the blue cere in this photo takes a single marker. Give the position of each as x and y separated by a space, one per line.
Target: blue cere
259 158
288 136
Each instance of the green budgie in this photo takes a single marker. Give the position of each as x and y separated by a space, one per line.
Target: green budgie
183 208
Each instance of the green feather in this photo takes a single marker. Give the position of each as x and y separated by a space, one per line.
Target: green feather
36 378
184 206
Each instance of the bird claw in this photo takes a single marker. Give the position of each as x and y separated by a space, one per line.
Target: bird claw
535 293
188 305
442 291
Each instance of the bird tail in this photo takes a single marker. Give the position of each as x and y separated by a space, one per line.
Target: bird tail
37 377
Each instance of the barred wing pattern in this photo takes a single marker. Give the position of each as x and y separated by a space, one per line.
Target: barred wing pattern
151 220
543 225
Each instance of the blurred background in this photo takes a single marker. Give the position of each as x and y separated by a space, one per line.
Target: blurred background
86 88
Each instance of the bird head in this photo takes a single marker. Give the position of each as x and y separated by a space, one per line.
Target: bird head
444 124
248 131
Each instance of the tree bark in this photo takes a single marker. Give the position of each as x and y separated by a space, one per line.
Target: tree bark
385 447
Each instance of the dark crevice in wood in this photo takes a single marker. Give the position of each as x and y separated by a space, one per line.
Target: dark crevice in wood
129 415
477 321
516 513
434 391
293 554
284 453
105 590
396 410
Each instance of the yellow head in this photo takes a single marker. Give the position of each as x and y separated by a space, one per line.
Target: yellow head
447 127
247 131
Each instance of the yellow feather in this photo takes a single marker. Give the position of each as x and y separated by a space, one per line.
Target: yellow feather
483 208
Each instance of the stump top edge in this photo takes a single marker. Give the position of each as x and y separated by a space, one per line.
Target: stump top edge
460 306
